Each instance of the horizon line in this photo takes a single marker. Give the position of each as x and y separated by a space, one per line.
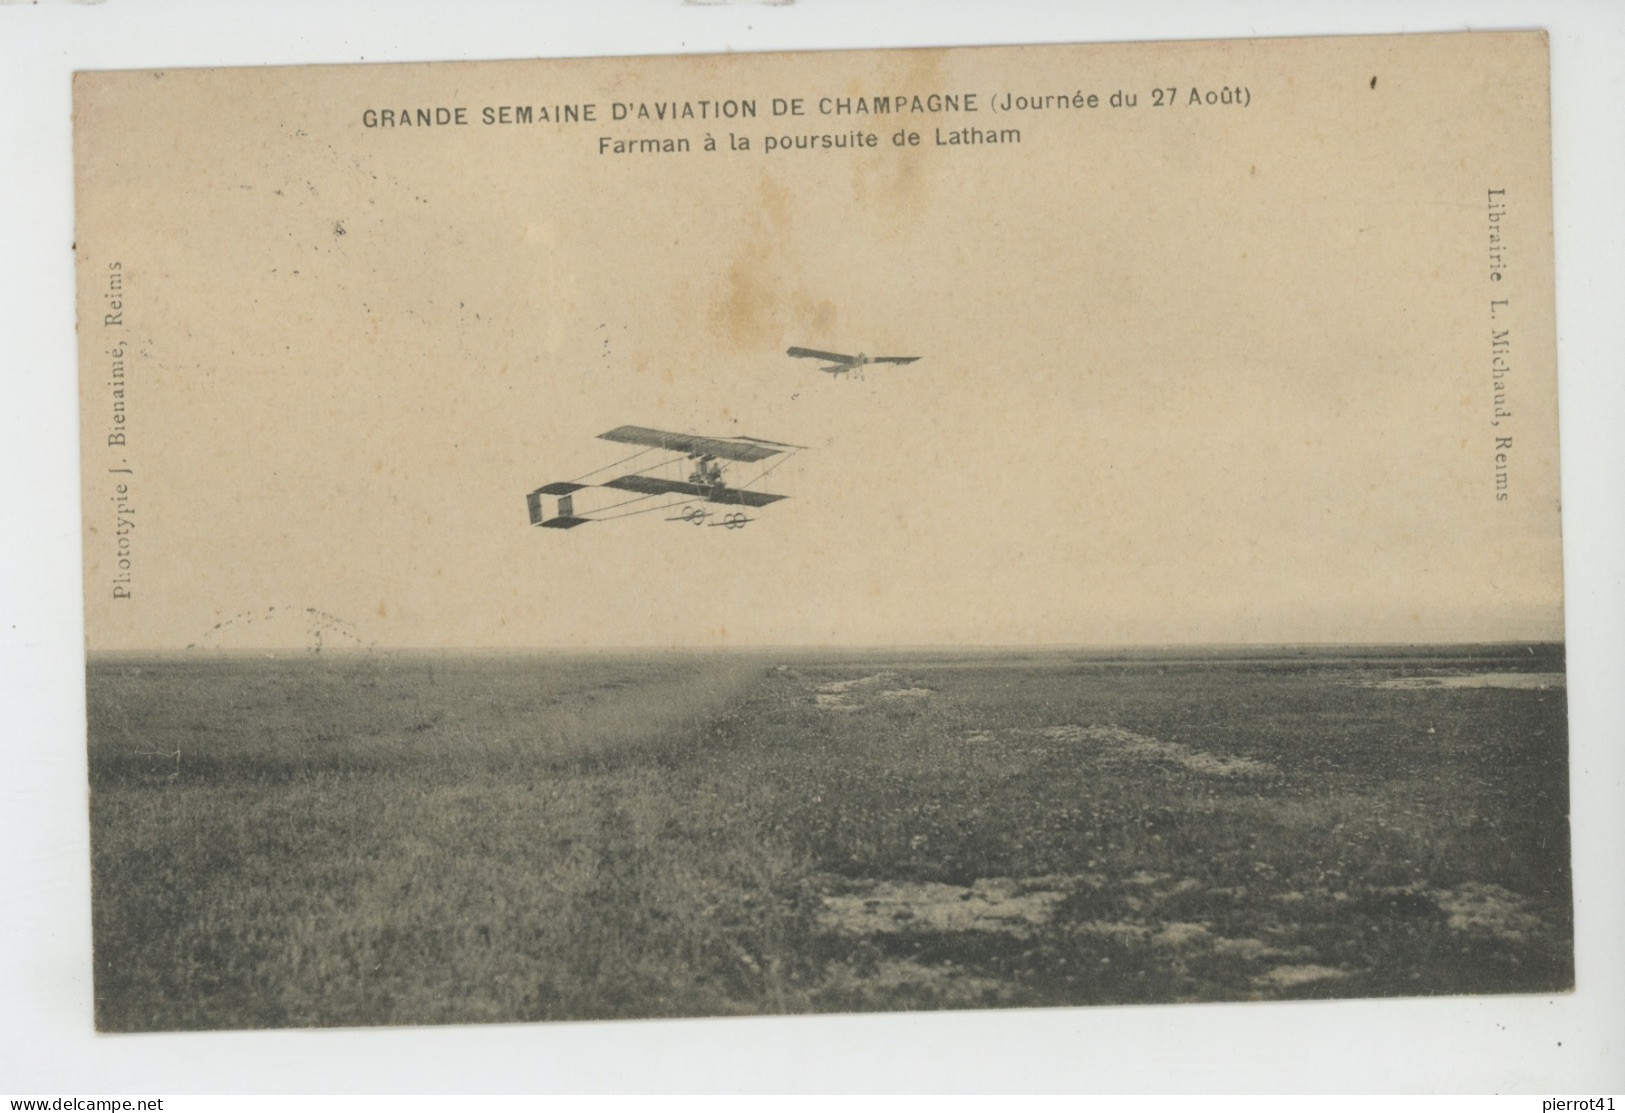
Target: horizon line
1048 647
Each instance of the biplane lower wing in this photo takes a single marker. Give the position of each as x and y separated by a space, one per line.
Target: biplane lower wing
652 485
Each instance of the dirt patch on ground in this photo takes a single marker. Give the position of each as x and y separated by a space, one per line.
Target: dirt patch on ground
1537 680
1252 950
1474 906
850 695
1141 923
1288 977
842 687
1130 744
1176 935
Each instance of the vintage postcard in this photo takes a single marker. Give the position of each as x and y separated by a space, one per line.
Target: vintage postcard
793 533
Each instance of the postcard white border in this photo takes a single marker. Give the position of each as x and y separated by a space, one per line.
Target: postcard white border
1534 1044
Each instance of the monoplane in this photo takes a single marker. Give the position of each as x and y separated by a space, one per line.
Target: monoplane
688 476
839 365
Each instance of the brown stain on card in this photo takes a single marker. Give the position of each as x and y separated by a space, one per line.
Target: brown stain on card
890 183
775 202
746 310
898 180
815 316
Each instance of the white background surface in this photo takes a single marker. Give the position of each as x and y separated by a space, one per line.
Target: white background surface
1564 1045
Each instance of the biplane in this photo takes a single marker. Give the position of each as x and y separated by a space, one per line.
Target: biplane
839 365
688 477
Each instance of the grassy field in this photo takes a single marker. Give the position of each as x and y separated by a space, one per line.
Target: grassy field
409 839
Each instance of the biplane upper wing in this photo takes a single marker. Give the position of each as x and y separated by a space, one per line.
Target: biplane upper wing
893 359
810 353
746 450
653 485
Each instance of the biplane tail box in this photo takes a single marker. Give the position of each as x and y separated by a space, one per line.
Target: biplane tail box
565 518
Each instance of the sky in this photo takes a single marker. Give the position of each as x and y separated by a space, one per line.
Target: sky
1189 374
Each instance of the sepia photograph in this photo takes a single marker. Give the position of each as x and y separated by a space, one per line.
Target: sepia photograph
822 533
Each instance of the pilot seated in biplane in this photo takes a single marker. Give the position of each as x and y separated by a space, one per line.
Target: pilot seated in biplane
707 473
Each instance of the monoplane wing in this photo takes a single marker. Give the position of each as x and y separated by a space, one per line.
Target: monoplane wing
653 485
833 357
746 450
848 361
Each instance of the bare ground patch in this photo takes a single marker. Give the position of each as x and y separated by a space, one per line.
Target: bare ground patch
1488 909
1130 744
1521 680
1290 977
1000 904
852 695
